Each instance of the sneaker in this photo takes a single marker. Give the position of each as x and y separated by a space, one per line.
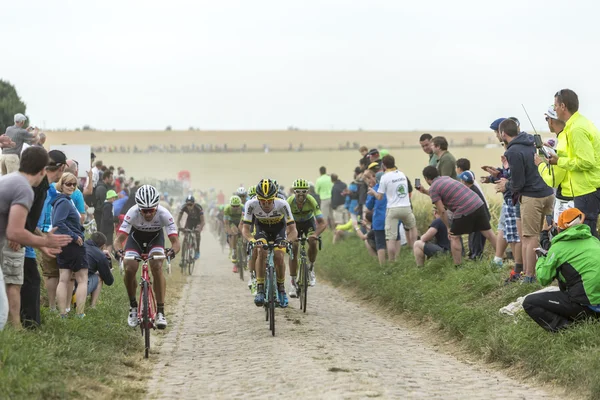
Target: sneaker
81 316
528 279
161 321
312 277
259 299
513 277
293 290
235 269
283 300
133 320
67 310
253 288
197 256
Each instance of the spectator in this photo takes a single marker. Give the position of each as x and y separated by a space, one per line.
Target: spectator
16 198
476 239
120 202
41 139
100 194
338 200
529 189
395 186
375 157
98 265
323 187
581 157
77 196
446 162
96 171
573 260
553 175
311 191
9 162
378 206
426 145
71 259
467 208
365 233
107 227
433 242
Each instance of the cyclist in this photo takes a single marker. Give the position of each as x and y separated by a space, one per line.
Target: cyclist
194 221
305 211
242 194
280 193
252 259
143 228
232 216
274 222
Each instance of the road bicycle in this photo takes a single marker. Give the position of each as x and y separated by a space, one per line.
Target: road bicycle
147 303
303 281
271 279
188 251
240 255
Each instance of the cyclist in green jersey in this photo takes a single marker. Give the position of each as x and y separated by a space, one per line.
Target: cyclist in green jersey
305 211
232 216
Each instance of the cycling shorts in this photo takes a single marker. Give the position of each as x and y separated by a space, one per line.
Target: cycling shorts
271 233
192 224
306 227
139 242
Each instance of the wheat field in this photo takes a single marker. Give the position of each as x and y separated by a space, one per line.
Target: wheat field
229 170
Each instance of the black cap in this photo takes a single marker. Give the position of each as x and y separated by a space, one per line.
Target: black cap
373 151
57 158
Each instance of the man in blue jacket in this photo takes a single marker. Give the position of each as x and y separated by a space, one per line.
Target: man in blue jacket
99 266
378 207
528 188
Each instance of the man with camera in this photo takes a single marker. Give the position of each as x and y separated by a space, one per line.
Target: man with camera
9 162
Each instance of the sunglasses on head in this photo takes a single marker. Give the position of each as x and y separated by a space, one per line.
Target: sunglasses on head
300 191
71 184
147 210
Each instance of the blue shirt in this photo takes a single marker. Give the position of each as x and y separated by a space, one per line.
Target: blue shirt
118 205
378 207
77 198
29 252
45 221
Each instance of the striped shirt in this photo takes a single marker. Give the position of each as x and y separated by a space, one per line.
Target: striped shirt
455 196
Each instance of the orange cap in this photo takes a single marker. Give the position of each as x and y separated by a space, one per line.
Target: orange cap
570 217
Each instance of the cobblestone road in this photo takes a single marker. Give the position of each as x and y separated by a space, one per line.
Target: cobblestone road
219 346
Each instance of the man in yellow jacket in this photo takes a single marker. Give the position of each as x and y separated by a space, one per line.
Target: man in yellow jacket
554 175
580 159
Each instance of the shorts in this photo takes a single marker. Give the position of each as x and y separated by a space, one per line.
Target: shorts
270 233
139 243
560 206
431 249
326 208
534 212
306 227
371 239
192 224
9 163
49 267
109 237
511 234
93 280
72 257
477 221
502 219
393 216
340 215
13 263
379 239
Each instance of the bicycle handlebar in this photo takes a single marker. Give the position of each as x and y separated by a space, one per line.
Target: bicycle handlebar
150 257
304 239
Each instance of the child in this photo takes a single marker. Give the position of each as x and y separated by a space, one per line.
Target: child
107 226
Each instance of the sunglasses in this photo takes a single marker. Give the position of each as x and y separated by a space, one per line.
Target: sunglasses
301 191
71 184
147 210
189 204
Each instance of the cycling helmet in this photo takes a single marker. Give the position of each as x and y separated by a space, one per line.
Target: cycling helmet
300 184
147 197
190 198
252 191
266 190
275 183
241 191
221 207
235 201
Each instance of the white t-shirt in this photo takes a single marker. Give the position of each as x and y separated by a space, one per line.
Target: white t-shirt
395 187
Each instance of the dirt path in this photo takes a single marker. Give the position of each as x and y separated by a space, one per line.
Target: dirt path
219 346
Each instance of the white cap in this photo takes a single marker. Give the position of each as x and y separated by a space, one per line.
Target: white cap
551 113
20 117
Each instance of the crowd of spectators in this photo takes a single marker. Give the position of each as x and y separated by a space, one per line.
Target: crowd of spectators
550 206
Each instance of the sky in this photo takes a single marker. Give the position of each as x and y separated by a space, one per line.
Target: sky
312 64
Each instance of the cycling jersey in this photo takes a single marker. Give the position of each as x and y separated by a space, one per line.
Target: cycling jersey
280 213
310 209
194 215
135 221
233 214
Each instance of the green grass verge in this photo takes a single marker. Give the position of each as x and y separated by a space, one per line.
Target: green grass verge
465 304
97 357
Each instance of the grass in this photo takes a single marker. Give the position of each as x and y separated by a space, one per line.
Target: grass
97 357
465 303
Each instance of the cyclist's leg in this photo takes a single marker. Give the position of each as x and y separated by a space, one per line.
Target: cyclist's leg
157 247
132 248
312 244
260 268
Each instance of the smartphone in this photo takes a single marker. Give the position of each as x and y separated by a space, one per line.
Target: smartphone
549 220
417 183
538 141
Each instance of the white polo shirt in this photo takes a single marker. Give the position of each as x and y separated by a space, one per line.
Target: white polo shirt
395 187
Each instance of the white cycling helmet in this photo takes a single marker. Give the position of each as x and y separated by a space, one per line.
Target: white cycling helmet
147 197
241 191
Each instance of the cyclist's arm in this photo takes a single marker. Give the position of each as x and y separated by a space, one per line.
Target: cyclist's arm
246 231
291 231
321 225
118 242
179 219
175 245
202 223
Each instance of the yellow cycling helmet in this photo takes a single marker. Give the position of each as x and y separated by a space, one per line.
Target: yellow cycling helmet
300 184
235 201
266 190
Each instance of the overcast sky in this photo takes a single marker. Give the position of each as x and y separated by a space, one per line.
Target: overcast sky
322 64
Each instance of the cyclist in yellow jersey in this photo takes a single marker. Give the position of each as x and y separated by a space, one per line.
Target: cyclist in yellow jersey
306 211
274 223
232 216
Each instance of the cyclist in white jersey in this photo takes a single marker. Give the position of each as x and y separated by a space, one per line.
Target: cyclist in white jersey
143 228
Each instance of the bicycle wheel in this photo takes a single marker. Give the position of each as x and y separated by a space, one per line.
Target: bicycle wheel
191 257
240 259
304 288
267 286
146 317
273 290
184 248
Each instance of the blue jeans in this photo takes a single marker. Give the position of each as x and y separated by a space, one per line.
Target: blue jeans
589 204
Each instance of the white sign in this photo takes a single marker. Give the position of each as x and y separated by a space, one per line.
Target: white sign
78 152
